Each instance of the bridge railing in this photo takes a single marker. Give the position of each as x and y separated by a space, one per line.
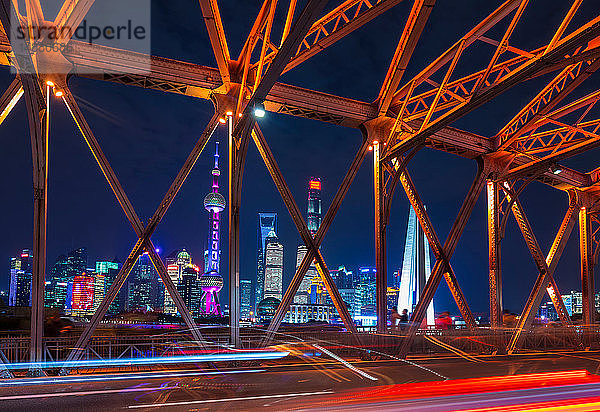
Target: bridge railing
15 348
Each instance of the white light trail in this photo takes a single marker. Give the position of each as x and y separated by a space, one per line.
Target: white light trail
345 363
249 398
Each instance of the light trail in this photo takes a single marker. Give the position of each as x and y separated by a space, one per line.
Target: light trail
95 378
248 398
345 363
85 393
452 349
223 357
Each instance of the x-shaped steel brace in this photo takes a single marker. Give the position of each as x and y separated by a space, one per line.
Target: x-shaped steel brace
143 232
442 254
313 245
545 281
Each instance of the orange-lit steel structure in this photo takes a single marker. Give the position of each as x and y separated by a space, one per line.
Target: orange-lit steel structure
406 116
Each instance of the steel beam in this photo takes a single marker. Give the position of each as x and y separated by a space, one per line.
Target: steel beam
547 99
380 240
312 245
408 41
70 17
216 33
323 36
495 267
472 101
544 282
143 233
10 98
308 15
542 265
443 254
587 266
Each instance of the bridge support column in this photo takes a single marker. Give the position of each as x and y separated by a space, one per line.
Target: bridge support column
494 238
587 266
39 123
237 157
380 240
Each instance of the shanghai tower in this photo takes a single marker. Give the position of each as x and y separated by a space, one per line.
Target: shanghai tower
416 268
211 281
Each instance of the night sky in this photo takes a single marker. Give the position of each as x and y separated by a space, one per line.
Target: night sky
147 135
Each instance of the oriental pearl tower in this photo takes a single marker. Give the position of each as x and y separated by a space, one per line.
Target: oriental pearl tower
211 281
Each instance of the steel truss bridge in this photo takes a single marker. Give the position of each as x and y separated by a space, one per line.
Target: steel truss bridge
406 116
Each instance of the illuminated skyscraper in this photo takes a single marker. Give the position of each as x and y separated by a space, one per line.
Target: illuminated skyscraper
176 263
314 205
267 223
344 281
366 291
416 268
273 267
99 288
63 271
189 289
21 268
302 296
211 281
142 284
80 295
314 221
246 299
110 270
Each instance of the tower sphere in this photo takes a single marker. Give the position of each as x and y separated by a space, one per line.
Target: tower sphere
214 202
211 282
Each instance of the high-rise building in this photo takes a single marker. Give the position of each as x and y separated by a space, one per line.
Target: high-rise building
267 223
304 293
64 269
273 267
211 281
344 281
314 205
302 296
392 298
416 268
176 262
189 289
80 295
99 289
246 299
110 270
366 291
21 272
142 284
397 275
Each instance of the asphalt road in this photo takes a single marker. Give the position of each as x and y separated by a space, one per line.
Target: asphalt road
302 381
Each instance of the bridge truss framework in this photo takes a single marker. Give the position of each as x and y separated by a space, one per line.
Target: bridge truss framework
406 116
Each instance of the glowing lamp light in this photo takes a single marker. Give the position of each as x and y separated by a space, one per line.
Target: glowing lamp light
375 142
370 148
259 110
157 250
59 94
555 170
229 113
50 83
239 115
222 121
